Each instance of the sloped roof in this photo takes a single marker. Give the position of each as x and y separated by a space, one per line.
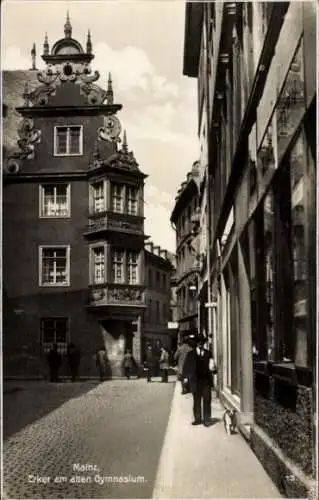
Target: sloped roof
13 83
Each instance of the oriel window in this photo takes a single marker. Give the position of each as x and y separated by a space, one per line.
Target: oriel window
99 265
132 200
118 266
132 267
118 198
98 197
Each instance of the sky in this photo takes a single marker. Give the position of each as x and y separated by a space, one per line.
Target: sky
141 42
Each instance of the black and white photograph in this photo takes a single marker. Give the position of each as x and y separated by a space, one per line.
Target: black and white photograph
159 249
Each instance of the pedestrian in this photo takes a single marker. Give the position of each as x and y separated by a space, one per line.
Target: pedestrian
179 358
164 364
149 363
54 361
101 362
199 368
129 363
73 355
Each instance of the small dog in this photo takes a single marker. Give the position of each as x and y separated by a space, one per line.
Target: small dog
230 421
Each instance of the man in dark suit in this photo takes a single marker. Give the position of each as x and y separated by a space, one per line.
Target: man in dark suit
198 368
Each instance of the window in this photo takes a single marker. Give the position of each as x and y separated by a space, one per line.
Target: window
150 278
132 200
158 278
269 272
54 331
118 266
157 305
132 267
98 265
55 200
98 197
54 266
68 140
118 198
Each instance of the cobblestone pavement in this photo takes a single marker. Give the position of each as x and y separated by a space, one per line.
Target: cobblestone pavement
116 427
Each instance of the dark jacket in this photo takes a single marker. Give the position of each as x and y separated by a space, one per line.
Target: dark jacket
54 359
196 368
180 356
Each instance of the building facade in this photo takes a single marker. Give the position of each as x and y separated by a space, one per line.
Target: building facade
256 68
73 221
183 218
158 271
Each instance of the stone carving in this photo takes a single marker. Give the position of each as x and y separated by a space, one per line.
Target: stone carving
97 294
40 96
126 294
111 129
49 75
94 93
28 137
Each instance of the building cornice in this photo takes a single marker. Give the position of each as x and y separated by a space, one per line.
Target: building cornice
192 37
35 111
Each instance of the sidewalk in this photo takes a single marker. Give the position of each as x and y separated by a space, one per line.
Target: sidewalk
199 462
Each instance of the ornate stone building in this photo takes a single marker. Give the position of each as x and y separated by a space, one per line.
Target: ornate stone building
184 218
159 271
255 63
73 221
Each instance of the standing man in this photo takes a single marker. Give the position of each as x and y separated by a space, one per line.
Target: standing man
128 363
149 362
179 358
164 364
199 368
101 362
54 360
73 354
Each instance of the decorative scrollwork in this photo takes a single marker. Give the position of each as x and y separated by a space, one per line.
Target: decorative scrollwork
125 294
95 94
48 75
111 129
41 94
85 75
68 74
12 166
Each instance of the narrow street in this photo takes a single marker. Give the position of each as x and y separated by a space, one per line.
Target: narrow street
84 440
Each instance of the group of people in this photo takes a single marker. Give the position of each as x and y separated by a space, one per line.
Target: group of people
55 361
196 369
151 362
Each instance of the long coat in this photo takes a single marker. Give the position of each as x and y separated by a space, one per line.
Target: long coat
180 357
196 369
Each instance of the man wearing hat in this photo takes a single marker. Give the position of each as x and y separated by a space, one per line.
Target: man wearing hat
198 368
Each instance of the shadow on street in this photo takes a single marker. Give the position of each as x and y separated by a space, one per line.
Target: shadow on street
30 401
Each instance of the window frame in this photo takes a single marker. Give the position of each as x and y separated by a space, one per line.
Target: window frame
55 141
92 263
68 266
123 195
93 211
42 197
48 344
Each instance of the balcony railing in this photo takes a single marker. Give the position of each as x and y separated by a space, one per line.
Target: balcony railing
105 294
112 222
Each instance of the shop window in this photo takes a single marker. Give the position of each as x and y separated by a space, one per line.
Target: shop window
269 243
291 103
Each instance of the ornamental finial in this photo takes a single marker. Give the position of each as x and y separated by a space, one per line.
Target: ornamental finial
33 56
124 147
109 92
46 45
89 43
67 26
